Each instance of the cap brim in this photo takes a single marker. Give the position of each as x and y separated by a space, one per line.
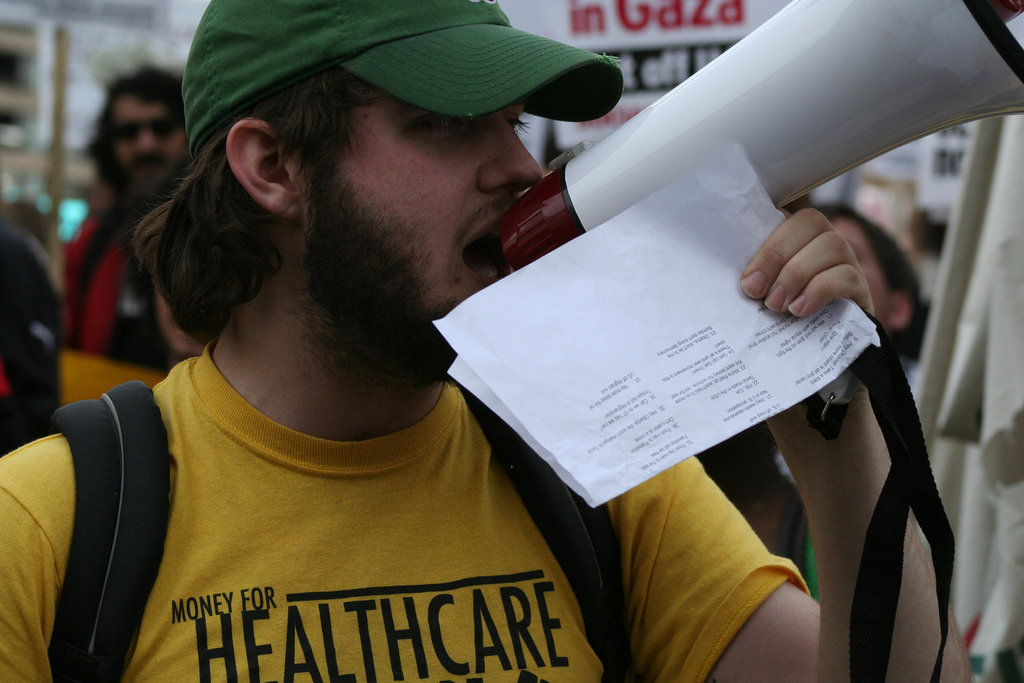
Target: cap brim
477 69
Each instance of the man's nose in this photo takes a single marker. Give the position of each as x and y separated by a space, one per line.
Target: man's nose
146 139
510 163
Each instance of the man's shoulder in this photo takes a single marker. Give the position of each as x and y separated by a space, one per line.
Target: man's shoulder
673 480
681 491
39 478
178 381
183 396
48 454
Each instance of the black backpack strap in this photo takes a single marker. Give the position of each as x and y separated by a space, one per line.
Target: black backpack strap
122 480
581 537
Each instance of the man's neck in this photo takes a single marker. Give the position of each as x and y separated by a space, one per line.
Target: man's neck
270 365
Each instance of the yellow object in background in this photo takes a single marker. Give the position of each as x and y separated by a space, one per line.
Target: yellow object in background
87 375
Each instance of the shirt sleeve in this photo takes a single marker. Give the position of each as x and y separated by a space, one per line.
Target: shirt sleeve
37 509
693 571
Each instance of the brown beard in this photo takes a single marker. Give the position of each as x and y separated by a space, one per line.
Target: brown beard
369 316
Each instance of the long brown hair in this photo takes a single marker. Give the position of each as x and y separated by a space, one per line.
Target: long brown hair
208 248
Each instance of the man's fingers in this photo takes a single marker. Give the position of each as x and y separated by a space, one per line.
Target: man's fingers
782 245
842 281
803 266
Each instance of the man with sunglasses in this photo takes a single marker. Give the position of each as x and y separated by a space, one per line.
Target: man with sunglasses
139 149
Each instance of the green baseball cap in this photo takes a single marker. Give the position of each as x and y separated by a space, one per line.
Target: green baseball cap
452 57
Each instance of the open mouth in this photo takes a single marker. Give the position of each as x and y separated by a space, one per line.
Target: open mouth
484 257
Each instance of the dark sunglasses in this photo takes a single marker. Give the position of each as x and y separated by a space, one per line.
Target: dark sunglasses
161 128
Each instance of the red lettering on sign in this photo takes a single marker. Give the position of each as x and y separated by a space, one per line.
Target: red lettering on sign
638 15
671 15
586 18
731 12
700 17
634 20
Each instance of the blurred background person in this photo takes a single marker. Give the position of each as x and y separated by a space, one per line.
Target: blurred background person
891 278
29 334
111 318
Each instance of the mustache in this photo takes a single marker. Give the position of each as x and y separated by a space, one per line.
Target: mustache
489 214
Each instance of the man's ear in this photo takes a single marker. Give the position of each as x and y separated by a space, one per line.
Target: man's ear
269 176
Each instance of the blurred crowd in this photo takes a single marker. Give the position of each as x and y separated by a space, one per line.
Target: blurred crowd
103 323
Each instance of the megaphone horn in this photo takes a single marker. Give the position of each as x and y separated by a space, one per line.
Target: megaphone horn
820 88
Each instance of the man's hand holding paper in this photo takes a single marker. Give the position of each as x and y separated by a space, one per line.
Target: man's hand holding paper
803 266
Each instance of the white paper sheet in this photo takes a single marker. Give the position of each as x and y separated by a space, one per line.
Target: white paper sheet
632 347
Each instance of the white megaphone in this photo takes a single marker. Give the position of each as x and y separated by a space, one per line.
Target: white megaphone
821 87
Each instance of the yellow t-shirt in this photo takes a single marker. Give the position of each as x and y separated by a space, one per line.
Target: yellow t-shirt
407 557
